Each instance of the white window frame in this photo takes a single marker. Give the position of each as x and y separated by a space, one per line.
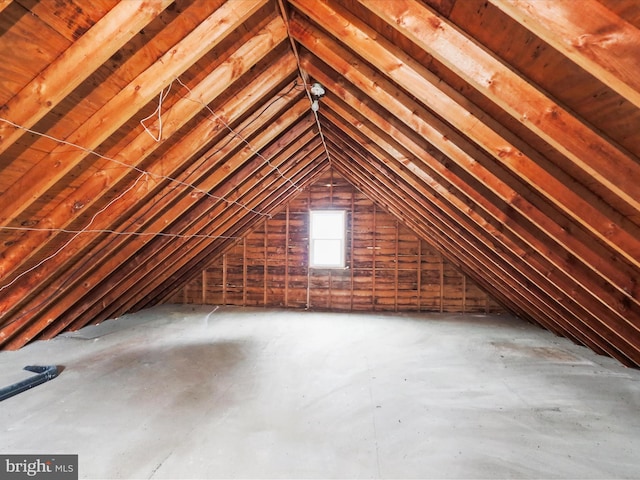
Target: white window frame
316 238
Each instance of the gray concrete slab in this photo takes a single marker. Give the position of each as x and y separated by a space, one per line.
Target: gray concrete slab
198 392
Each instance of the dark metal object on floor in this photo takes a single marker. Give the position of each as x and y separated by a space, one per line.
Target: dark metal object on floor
45 374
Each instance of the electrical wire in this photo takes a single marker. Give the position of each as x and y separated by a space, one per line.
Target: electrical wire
76 233
116 232
304 82
132 167
158 110
46 259
220 119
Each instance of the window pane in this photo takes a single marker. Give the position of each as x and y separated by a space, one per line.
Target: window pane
327 253
327 232
325 224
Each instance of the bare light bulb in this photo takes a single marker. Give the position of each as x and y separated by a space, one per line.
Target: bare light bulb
315 105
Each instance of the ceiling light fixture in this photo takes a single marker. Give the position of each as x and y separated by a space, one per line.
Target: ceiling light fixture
317 92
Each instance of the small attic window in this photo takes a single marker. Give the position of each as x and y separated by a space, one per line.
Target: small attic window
327 239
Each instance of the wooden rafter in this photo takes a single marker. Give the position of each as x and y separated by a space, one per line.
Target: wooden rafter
617 231
601 160
120 108
121 250
91 50
601 42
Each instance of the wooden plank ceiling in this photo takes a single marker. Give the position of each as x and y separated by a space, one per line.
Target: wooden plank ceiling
139 139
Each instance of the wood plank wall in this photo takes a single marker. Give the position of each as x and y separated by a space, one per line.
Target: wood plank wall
389 267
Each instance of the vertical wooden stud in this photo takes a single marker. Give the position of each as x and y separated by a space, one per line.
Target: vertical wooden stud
395 306
286 257
224 279
419 274
464 293
266 262
441 283
351 228
308 231
373 261
204 286
244 271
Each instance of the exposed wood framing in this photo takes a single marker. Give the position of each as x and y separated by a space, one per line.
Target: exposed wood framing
487 154
522 100
120 108
330 286
91 50
601 42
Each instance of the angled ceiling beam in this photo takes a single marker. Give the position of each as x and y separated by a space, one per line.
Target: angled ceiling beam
614 229
129 100
134 282
592 36
70 69
134 202
184 221
474 259
556 287
143 145
5 3
429 128
550 121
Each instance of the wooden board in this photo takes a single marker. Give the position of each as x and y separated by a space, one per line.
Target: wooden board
388 267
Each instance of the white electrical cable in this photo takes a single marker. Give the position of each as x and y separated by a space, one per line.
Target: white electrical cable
315 105
133 167
158 110
220 119
40 263
116 232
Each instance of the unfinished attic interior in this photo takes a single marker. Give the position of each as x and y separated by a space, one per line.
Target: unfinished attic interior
167 156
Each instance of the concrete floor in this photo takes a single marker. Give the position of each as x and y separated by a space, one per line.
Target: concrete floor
187 392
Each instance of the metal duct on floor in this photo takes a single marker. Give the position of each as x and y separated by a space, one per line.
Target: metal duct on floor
45 374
